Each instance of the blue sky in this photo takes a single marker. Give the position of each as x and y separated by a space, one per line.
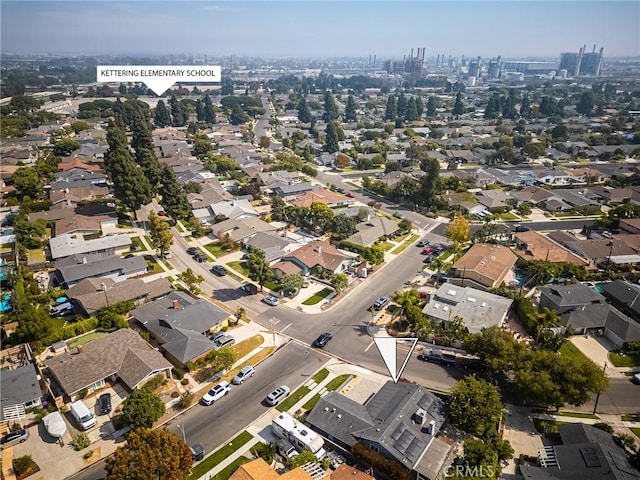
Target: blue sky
320 29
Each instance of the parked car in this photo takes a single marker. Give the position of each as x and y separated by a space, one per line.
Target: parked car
522 228
215 393
197 452
219 270
249 288
270 300
427 251
14 438
340 190
246 372
636 379
279 394
129 255
380 303
423 243
437 356
192 250
162 213
216 336
200 257
428 259
350 195
225 341
399 215
105 403
322 340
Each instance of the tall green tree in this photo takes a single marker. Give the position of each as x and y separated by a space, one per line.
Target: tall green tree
525 107
401 106
458 107
141 409
330 107
237 116
586 103
191 279
162 117
259 268
430 181
339 281
174 198
160 233
332 137
179 113
150 454
304 113
390 110
432 105
130 185
350 114
209 114
475 406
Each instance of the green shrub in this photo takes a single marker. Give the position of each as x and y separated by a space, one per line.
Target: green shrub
88 454
186 401
178 373
80 441
83 393
155 382
22 464
184 381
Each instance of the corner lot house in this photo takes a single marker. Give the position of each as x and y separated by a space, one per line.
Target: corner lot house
181 325
400 422
484 266
319 253
122 355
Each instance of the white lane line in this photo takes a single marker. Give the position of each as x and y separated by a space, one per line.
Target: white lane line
282 331
369 346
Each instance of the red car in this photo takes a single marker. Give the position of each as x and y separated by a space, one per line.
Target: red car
427 251
162 213
350 195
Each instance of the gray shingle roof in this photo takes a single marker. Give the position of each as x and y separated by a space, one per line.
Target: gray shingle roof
122 352
123 266
18 386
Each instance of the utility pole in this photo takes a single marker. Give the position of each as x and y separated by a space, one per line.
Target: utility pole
181 427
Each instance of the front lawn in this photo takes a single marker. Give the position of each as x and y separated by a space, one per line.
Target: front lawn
240 267
622 360
318 297
136 244
321 375
386 246
217 250
509 216
246 346
337 382
211 461
570 350
273 286
406 243
311 402
292 399
230 469
153 264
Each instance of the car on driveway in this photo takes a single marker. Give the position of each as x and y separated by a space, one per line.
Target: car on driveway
270 300
192 250
279 394
219 270
215 393
245 373
322 340
217 336
105 403
14 438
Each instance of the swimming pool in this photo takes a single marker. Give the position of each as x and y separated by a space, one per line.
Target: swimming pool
5 306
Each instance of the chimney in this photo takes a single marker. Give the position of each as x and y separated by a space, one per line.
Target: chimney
176 304
432 427
84 259
80 349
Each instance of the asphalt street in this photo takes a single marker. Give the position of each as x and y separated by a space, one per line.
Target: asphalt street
214 425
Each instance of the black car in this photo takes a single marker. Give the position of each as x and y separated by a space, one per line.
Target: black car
522 228
200 257
192 250
197 452
428 259
129 255
322 340
219 270
105 403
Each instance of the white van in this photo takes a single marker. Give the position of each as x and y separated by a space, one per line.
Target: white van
83 416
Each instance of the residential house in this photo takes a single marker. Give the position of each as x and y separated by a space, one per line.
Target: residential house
78 164
533 195
496 201
586 453
276 178
240 229
258 469
478 309
555 177
371 230
484 266
401 422
122 355
20 391
625 296
582 200
180 324
75 244
586 175
319 254
535 246
392 178
92 294
70 272
619 328
274 246
512 177
294 189
599 252
236 208
76 174
79 219
630 225
579 306
327 197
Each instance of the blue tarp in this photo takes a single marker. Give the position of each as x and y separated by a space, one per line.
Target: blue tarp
62 300
61 308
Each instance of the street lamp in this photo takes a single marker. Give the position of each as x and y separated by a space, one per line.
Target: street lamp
595 406
181 427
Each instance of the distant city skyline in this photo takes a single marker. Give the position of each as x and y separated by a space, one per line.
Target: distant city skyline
281 29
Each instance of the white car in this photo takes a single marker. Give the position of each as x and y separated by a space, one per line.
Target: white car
246 372
270 300
279 394
216 393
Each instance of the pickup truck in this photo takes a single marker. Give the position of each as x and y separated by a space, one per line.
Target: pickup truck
437 356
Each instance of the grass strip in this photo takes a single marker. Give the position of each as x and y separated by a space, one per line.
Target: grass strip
229 470
219 455
405 244
292 399
311 403
318 297
247 346
337 382
321 375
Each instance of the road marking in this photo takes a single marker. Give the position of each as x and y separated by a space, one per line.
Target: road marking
368 347
282 331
